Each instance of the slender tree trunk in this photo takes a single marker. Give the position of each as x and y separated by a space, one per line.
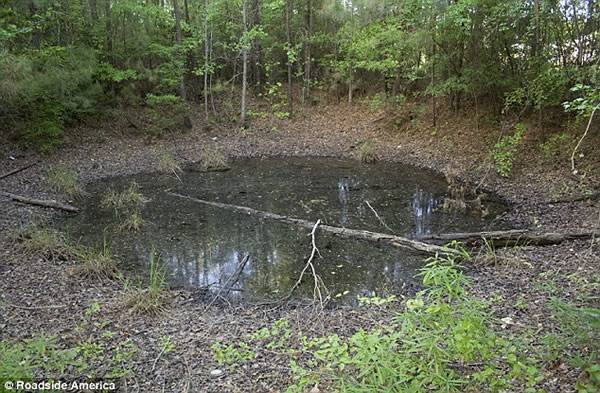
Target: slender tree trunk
256 47
244 63
178 40
288 32
433 101
186 11
206 54
307 50
93 11
109 38
350 85
36 34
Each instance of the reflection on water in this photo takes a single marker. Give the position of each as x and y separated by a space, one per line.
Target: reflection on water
202 246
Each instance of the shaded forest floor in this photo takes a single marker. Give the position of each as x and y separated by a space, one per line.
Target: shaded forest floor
38 295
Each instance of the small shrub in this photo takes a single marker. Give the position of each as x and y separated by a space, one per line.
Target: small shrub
212 159
64 179
366 153
504 151
556 144
168 113
152 298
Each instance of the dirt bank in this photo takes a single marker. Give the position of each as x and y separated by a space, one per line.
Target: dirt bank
38 295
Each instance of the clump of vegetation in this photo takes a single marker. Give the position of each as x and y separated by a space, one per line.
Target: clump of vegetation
93 264
556 144
64 179
212 159
167 164
128 198
504 151
47 242
366 153
168 113
133 222
150 299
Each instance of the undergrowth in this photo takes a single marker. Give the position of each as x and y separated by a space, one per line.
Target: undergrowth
444 340
505 150
152 297
64 179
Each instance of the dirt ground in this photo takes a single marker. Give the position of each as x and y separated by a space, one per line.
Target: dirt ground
38 295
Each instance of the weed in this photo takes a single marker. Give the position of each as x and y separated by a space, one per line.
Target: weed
65 180
97 265
126 199
230 354
133 222
49 243
504 151
168 164
166 344
152 298
556 144
366 153
212 159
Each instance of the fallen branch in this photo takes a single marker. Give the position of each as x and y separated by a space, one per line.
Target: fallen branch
586 197
15 171
231 280
510 237
39 202
392 240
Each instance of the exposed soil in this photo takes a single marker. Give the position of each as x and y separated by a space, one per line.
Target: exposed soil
37 294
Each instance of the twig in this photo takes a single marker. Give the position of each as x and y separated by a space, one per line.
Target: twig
15 171
230 281
39 202
158 357
35 307
378 217
573 169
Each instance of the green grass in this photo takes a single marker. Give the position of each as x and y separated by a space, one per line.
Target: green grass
212 159
166 163
64 180
152 298
367 153
125 199
96 265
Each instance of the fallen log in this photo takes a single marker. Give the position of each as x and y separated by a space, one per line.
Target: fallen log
511 237
15 171
392 240
39 202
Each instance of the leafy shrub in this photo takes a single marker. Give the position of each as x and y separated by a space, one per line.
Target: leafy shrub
443 341
504 151
555 144
168 113
43 90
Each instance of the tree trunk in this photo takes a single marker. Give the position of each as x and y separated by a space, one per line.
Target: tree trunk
307 50
510 237
244 63
93 11
206 54
288 32
256 47
178 39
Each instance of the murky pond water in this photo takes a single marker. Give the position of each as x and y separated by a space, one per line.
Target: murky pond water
201 246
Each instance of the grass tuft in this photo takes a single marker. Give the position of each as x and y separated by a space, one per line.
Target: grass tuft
151 299
46 242
65 180
95 265
213 159
167 164
366 153
127 198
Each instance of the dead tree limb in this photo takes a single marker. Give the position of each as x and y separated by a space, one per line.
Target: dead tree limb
510 237
39 202
231 280
392 240
15 171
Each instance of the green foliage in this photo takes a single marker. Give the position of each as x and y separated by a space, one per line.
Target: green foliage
31 358
556 144
127 199
167 113
151 298
504 151
230 354
441 328
367 153
588 98
64 179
